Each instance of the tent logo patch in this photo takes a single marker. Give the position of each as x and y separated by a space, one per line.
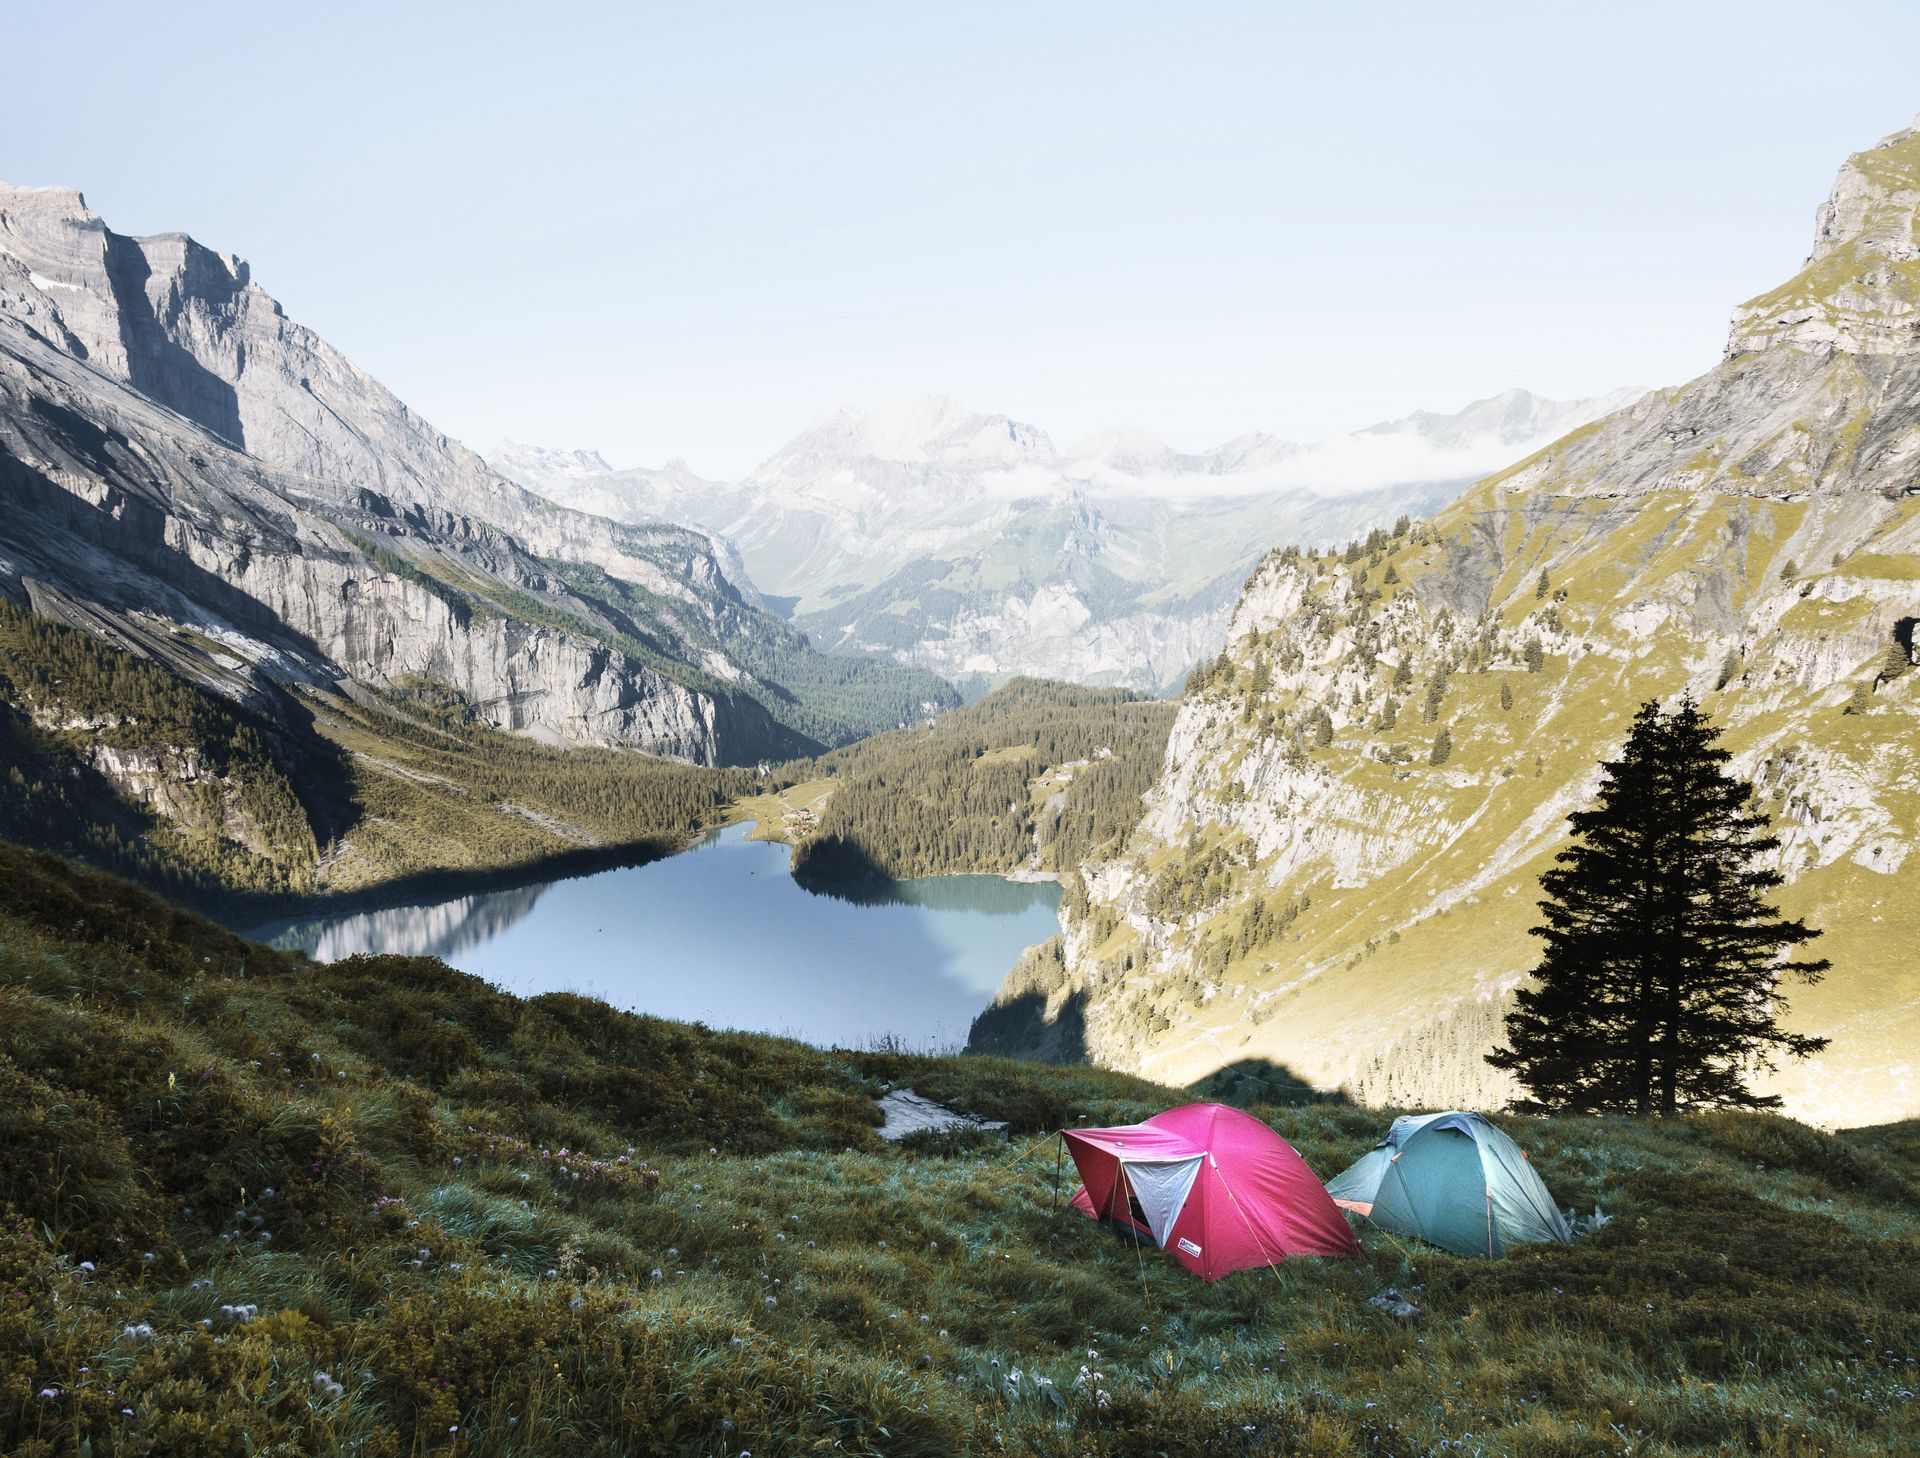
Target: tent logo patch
1188 1246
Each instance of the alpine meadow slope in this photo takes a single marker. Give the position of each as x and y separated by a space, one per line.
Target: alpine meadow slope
252 1205
1338 867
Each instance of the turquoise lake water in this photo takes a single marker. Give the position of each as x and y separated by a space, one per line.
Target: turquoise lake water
723 935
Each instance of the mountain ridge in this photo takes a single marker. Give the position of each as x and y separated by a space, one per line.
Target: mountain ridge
1318 880
196 480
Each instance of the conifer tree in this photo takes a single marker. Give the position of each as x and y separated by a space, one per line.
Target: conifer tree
1895 663
1659 990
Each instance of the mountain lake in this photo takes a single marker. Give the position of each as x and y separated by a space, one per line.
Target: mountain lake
721 934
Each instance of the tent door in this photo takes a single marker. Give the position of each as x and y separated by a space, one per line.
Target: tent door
1160 1188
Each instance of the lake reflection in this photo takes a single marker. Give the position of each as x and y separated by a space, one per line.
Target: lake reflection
723 935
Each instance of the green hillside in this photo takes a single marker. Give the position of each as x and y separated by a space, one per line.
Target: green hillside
253 1206
114 760
1036 776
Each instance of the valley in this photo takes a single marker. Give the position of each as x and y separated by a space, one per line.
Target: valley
935 934
1321 856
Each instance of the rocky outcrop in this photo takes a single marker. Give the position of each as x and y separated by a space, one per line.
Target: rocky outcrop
1321 882
1860 290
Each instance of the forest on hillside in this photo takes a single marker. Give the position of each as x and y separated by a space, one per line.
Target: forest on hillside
113 760
1037 775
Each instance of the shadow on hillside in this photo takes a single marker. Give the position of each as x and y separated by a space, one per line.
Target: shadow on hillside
829 865
249 915
1259 1081
1020 1028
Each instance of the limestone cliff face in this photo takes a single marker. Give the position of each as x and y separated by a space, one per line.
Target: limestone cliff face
222 489
1321 881
1860 289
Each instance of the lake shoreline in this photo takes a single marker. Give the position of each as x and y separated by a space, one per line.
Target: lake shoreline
723 935
441 885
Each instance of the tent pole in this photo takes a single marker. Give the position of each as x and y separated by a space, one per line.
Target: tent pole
1058 1151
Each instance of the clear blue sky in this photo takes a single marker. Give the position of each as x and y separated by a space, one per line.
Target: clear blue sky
685 229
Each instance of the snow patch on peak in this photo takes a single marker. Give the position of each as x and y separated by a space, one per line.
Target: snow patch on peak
920 430
517 459
1122 448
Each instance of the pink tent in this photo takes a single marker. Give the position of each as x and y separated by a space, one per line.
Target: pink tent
1215 1186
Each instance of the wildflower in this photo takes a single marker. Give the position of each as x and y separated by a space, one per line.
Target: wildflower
51 1394
771 1302
138 1332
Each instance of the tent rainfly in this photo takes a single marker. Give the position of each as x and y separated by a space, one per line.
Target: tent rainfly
1452 1180
1215 1186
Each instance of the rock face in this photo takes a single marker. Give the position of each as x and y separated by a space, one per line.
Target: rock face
970 544
1320 883
219 488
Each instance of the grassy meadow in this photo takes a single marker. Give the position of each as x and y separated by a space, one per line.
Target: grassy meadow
250 1205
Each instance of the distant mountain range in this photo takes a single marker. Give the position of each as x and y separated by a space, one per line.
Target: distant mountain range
970 544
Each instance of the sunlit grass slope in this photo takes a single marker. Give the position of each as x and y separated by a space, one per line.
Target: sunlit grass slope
249 1205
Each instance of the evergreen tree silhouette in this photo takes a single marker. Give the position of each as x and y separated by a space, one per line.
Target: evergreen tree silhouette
1659 990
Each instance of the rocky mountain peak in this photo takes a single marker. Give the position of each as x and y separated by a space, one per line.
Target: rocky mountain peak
520 461
917 430
1122 448
1859 292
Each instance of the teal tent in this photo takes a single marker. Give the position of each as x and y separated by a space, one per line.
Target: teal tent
1452 1180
